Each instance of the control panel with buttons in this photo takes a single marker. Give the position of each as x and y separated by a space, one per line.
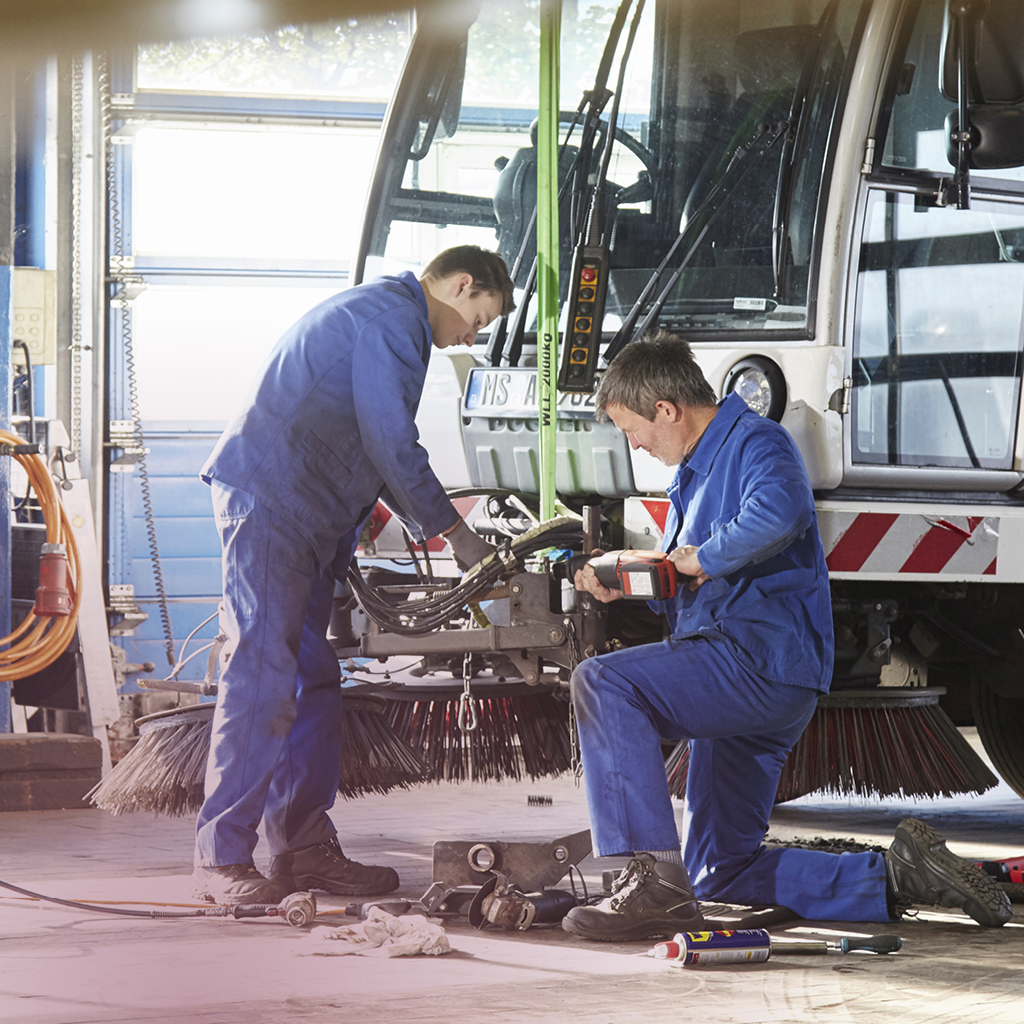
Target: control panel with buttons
582 338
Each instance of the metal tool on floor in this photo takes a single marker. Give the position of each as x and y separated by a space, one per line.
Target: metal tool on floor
503 904
492 882
297 909
755 945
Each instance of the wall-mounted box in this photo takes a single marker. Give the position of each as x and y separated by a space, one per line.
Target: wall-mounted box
34 315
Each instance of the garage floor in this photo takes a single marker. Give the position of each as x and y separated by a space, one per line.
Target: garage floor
63 966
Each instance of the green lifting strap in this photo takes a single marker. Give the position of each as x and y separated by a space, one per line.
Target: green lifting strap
547 250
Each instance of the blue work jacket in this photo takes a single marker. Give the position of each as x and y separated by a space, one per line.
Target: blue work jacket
744 501
329 425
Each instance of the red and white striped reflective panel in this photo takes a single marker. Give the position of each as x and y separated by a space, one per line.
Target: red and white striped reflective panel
889 542
867 542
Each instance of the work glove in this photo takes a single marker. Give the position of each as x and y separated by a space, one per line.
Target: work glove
467 547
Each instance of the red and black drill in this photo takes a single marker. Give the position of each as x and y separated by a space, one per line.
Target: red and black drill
643 575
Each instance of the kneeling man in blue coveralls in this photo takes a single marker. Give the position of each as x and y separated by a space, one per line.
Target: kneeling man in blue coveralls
328 428
750 650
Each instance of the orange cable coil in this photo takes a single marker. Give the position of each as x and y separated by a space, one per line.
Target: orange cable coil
40 640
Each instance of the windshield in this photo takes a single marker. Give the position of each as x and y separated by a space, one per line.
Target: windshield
702 80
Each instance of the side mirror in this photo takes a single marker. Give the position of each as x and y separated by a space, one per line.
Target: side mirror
997 137
994 48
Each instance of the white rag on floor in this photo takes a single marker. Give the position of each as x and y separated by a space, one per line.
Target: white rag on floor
381 934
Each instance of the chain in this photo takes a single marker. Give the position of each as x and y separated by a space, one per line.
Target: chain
77 170
576 762
120 274
468 718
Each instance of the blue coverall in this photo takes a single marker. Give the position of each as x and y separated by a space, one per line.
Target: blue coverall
327 430
748 654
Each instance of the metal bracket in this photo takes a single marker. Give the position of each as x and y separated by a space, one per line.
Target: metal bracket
530 866
123 436
122 603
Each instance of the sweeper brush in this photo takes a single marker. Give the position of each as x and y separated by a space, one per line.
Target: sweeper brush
881 742
520 732
165 771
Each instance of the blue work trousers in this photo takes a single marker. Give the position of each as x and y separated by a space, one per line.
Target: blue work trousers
275 750
741 728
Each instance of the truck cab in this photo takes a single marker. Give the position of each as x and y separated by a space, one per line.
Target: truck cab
787 187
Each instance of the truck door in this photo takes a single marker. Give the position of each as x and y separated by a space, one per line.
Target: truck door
936 333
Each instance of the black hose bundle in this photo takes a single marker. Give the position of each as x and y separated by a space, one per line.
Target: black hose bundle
423 615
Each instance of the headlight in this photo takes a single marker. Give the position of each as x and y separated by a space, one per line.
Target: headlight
760 383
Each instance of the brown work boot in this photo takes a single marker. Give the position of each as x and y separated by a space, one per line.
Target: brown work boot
234 884
922 870
650 900
325 867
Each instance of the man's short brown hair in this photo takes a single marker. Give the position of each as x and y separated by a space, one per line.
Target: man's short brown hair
657 368
488 270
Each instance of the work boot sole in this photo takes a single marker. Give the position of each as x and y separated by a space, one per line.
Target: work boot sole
270 892
602 926
386 882
980 895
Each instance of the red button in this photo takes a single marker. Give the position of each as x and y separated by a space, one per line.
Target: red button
588 274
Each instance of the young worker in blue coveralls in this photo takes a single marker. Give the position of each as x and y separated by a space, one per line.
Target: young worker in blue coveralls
750 650
327 430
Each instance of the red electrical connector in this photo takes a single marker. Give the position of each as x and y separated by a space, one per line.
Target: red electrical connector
52 596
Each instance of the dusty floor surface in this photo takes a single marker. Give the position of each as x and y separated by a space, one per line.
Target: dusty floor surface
66 966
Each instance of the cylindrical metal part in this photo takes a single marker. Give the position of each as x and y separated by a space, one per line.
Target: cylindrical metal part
805 948
591 528
298 909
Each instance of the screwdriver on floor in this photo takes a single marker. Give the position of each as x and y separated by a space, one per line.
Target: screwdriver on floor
755 945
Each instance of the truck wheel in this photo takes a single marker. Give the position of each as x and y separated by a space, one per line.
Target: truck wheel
1000 722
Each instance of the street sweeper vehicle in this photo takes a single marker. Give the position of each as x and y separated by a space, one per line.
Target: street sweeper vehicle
826 197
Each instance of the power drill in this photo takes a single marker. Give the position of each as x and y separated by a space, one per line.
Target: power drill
643 575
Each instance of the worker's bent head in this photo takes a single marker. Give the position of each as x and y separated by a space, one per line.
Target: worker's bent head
488 270
658 368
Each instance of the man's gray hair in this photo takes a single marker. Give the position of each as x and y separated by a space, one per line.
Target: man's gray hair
657 368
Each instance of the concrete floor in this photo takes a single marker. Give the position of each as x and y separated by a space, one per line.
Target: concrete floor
65 966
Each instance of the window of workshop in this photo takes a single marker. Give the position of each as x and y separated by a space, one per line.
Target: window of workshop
243 164
271 193
241 168
204 343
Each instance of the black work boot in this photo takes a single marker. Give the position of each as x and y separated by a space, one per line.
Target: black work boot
921 870
650 900
235 884
325 867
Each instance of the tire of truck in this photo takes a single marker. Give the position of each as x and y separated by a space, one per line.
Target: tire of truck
1000 722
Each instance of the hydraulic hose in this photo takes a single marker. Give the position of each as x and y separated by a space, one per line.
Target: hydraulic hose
424 615
297 909
41 639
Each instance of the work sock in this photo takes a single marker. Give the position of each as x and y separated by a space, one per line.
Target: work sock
665 856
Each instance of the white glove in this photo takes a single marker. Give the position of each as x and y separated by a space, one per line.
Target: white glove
467 547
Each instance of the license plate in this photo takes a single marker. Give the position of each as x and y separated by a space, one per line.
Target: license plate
512 392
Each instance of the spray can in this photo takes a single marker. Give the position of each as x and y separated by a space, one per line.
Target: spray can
752 945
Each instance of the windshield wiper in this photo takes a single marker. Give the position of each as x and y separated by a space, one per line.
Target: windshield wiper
746 158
